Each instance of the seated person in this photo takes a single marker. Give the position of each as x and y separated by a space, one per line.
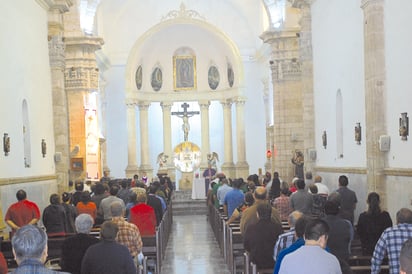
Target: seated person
85 205
259 238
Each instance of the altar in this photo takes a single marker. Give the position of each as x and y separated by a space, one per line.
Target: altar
198 189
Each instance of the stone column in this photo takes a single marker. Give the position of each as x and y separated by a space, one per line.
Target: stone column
228 166
375 93
81 79
269 128
287 98
167 137
59 97
144 138
204 116
132 166
306 59
242 167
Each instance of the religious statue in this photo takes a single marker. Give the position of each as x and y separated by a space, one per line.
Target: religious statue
185 115
212 158
404 126
162 160
298 161
6 144
43 147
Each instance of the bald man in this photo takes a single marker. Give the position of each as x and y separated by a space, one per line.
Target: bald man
249 216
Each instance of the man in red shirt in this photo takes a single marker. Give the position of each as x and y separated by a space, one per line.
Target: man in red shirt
143 216
22 213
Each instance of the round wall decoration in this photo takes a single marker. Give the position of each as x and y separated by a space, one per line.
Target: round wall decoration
213 77
157 79
138 77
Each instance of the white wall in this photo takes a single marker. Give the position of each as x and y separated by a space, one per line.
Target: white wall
337 31
398 41
25 75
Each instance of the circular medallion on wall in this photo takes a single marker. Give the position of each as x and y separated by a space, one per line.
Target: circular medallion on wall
230 75
138 77
157 79
213 77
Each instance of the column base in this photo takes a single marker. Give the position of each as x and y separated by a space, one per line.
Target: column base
242 170
229 170
131 170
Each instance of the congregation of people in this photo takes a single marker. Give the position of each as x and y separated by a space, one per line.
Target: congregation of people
322 231
122 211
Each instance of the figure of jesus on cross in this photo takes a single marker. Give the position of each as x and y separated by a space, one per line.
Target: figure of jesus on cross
185 115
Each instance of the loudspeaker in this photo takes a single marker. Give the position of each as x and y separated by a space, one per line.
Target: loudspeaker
384 143
57 157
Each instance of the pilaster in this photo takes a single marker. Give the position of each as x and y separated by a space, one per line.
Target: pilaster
375 93
59 97
167 137
132 167
144 138
204 116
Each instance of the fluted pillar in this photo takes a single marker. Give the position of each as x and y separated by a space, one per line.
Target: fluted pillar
167 137
375 92
204 116
228 166
59 97
242 167
144 138
132 166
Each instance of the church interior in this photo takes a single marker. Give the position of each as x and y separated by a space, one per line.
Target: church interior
124 86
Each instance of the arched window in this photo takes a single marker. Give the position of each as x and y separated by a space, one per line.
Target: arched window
339 124
26 135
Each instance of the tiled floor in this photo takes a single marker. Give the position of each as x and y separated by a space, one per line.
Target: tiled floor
192 248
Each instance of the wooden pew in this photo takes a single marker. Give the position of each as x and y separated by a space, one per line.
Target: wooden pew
235 248
151 249
251 268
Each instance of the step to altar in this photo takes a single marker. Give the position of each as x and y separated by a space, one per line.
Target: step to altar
184 205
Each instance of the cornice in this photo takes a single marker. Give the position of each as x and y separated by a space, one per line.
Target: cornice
20 180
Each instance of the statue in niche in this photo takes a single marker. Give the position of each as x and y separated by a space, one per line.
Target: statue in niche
404 126
212 159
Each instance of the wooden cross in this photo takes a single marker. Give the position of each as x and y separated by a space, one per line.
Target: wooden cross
185 115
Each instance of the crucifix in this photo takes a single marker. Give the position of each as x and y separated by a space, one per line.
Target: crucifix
185 115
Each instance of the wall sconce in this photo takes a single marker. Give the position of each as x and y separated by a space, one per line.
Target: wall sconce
6 144
358 133
324 139
404 126
43 147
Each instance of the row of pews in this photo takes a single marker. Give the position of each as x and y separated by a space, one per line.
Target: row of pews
230 241
154 247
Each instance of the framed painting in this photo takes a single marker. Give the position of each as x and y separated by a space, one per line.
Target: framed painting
76 164
184 72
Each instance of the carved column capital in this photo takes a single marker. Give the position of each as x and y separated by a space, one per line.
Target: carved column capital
239 101
204 104
143 105
226 103
302 4
368 3
130 103
166 105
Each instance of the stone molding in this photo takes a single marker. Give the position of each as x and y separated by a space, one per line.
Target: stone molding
347 170
20 180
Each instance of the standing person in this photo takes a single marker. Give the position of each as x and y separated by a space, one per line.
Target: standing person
70 213
85 205
372 223
54 217
275 187
74 248
260 238
237 213
78 187
233 198
312 257
348 199
104 208
222 191
208 174
301 200
391 240
22 213
129 234
322 188
30 250
249 216
108 256
143 216
99 194
282 204
405 258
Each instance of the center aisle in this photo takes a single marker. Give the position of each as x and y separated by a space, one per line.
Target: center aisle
192 248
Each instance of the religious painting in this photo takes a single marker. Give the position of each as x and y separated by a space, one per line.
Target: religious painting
139 77
213 77
230 75
186 157
184 72
157 79
76 164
